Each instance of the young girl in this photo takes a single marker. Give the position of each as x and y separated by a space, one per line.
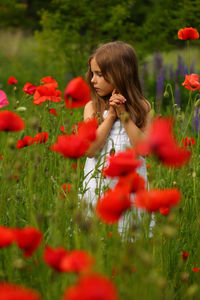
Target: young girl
124 113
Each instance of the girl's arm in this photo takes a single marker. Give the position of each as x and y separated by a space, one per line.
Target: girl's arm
135 133
103 129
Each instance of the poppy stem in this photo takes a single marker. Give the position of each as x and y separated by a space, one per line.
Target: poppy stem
188 51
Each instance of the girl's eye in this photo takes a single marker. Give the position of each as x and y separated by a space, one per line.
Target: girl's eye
99 74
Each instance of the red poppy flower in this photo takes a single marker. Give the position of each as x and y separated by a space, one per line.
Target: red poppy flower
121 163
77 93
161 142
53 112
62 128
76 145
188 141
191 82
165 211
196 270
46 92
12 80
28 239
153 200
16 176
3 99
71 146
92 287
29 88
41 137
10 291
7 236
76 261
26 141
87 130
53 257
112 205
66 187
132 182
51 80
185 255
10 121
188 33
1 156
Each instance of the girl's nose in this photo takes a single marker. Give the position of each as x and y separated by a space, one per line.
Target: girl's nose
93 79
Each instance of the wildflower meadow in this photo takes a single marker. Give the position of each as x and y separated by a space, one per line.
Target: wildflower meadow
53 245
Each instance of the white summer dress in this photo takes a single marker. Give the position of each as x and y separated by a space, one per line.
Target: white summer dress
94 183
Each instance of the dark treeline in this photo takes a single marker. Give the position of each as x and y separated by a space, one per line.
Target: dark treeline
71 29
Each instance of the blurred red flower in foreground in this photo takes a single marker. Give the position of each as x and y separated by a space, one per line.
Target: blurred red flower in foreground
161 142
39 138
76 261
112 204
10 121
188 141
132 182
77 93
191 82
92 287
53 257
185 255
28 239
153 200
7 236
10 291
84 131
121 163
188 33
12 80
71 146
3 99
29 88
76 145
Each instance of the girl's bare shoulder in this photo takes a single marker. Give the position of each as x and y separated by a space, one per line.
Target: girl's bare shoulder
89 111
146 105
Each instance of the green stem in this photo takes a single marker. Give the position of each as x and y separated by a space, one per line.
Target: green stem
188 50
172 94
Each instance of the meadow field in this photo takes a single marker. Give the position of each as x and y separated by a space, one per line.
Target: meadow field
41 189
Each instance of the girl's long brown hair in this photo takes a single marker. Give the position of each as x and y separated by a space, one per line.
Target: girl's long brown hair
119 66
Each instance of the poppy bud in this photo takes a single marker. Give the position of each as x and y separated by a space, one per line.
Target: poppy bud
166 94
112 151
197 103
21 108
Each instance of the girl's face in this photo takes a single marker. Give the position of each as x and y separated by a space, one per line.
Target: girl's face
101 86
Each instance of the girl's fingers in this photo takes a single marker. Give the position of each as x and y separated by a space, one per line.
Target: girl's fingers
119 97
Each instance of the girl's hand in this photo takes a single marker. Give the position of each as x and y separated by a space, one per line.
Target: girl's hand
117 102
